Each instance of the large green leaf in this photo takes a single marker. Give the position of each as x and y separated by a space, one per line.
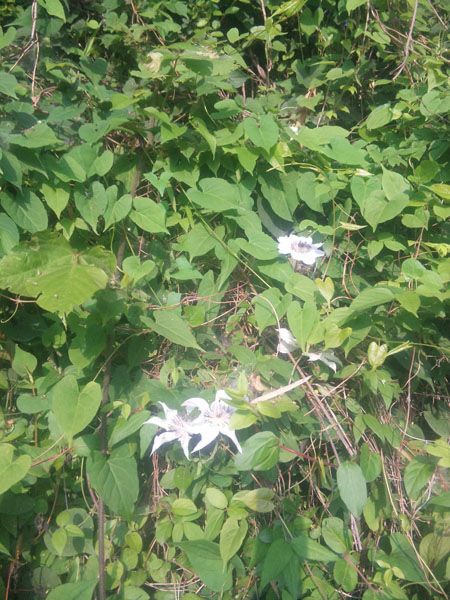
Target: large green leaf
49 269
115 479
302 321
259 453
417 474
262 132
74 410
370 297
171 326
232 536
217 195
26 210
352 487
308 549
205 559
81 590
12 470
279 554
149 215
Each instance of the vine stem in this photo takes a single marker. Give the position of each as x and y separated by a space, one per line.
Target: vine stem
109 353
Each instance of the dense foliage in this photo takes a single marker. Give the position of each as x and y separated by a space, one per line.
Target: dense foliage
151 154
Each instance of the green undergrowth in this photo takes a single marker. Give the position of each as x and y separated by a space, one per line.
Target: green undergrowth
151 155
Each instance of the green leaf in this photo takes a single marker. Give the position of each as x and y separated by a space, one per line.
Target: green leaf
354 4
11 168
81 590
259 453
345 574
259 500
49 269
417 474
231 538
183 507
56 198
74 411
217 195
370 297
336 536
54 8
8 84
260 246
216 498
171 326
23 362
279 554
26 210
301 286
9 234
12 470
263 133
302 321
308 549
122 428
370 463
381 115
115 479
207 563
352 487
269 305
198 241
148 215
38 136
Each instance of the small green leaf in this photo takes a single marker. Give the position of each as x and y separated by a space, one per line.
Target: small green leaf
81 590
308 549
345 574
23 362
259 453
12 470
207 563
148 215
231 538
259 500
183 507
54 8
352 487
417 474
115 479
263 133
171 326
74 411
279 554
216 498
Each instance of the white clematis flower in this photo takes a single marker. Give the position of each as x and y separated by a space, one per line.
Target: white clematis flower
286 341
214 419
314 356
300 248
176 428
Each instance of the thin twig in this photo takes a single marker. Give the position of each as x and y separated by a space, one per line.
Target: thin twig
408 44
279 392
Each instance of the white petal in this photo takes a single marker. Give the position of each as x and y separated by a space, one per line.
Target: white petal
232 435
158 421
304 240
285 244
169 413
184 441
207 436
222 395
198 403
318 246
309 257
313 356
163 438
286 341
